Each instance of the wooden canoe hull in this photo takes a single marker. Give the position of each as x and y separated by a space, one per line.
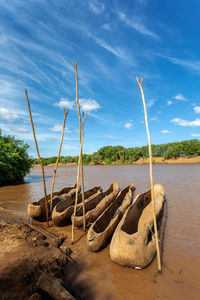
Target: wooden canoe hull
100 232
133 242
37 210
94 207
62 212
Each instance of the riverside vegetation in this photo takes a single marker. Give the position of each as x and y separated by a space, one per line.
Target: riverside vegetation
14 159
121 155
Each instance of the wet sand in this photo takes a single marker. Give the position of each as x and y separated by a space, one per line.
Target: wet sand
106 280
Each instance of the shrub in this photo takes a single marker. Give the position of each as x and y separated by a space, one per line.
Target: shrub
14 160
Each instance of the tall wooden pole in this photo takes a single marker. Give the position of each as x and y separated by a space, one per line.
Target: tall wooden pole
78 172
80 136
151 175
43 177
56 165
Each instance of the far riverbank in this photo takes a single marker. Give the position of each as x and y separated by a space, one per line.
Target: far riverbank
141 161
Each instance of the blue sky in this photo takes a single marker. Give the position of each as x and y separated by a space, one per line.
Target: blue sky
113 42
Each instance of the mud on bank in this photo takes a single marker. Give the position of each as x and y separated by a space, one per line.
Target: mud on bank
31 264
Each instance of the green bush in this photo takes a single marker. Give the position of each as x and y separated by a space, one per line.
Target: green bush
14 160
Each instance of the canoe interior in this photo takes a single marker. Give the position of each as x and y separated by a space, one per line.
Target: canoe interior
62 205
89 205
104 220
63 191
130 224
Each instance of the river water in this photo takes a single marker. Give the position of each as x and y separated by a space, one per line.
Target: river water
180 278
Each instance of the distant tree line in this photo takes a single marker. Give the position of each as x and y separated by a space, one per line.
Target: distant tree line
122 155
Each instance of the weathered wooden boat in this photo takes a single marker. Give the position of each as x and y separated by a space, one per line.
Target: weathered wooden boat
94 207
133 242
37 209
100 232
62 212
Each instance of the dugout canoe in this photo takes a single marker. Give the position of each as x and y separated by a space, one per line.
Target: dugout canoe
101 231
94 207
61 215
37 209
133 242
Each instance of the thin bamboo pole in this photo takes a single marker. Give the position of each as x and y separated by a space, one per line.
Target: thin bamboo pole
56 165
80 129
151 175
82 179
44 185
78 174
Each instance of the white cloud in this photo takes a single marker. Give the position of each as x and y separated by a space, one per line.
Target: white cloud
197 109
89 104
195 134
136 24
96 6
185 123
64 103
128 125
164 131
169 102
107 26
58 128
180 97
150 103
7 115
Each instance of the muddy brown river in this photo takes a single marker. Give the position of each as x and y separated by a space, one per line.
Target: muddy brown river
180 278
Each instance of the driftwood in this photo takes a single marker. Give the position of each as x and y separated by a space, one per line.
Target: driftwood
44 185
151 175
56 165
53 286
55 240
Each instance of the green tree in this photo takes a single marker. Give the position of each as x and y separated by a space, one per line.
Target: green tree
14 159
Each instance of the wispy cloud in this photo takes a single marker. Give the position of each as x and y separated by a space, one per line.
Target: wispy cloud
141 2
117 51
52 139
164 131
185 123
154 119
180 97
129 124
89 104
150 103
19 129
107 136
197 109
195 134
192 65
136 24
96 6
107 26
